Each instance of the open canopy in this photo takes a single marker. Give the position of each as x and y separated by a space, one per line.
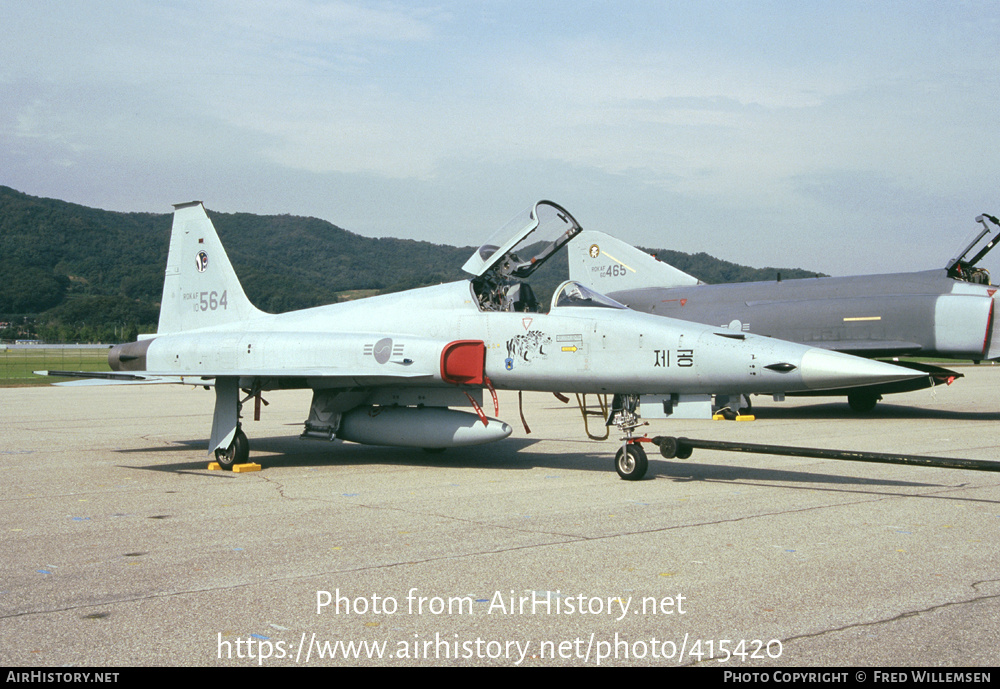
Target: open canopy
545 223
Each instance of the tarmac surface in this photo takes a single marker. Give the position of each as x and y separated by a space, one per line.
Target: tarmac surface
119 547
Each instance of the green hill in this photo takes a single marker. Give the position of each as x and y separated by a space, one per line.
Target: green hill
73 273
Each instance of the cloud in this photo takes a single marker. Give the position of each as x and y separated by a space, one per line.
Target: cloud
684 112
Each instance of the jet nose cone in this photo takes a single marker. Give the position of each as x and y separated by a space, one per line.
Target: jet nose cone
824 370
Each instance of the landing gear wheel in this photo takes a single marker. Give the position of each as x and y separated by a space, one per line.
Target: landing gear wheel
631 462
668 447
238 451
673 447
683 450
433 450
862 402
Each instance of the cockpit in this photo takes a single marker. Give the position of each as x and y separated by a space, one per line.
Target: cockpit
961 268
572 293
502 264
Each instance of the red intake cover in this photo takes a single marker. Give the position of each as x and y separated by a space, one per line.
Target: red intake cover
463 362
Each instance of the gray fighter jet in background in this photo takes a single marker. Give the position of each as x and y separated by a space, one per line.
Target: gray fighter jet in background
937 313
390 370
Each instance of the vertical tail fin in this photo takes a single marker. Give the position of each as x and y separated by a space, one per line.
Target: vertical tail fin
607 265
200 287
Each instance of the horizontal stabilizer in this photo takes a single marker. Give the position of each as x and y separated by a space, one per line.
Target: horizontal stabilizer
86 382
108 378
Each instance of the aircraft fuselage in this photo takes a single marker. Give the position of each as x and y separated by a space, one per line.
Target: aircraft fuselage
570 349
924 313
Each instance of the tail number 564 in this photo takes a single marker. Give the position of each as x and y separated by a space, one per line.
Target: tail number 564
211 301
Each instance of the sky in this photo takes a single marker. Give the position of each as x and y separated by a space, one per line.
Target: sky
841 137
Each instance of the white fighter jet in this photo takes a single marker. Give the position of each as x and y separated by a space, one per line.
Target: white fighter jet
391 369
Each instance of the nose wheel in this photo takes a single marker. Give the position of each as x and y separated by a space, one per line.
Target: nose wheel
238 451
631 462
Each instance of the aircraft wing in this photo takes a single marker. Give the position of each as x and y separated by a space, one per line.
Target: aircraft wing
317 377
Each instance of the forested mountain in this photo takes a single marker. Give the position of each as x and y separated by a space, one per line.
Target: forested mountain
72 273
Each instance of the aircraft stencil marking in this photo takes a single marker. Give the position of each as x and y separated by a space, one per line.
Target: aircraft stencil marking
575 340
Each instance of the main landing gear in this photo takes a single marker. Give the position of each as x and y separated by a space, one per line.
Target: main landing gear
228 412
863 402
238 451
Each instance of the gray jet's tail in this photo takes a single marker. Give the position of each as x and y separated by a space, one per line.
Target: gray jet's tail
606 264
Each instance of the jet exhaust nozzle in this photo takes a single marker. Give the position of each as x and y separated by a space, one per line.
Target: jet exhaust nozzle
130 356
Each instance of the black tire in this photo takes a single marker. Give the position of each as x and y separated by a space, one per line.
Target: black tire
862 402
238 452
668 447
683 451
631 462
433 450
